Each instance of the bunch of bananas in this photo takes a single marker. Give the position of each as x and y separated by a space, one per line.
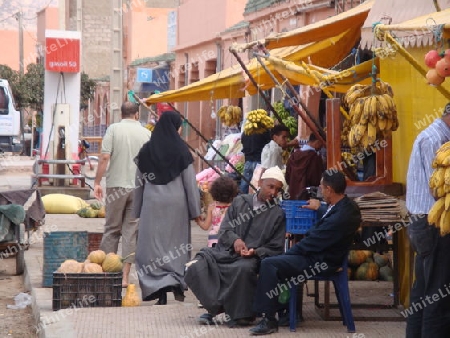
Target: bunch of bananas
372 111
288 120
230 115
291 123
281 111
257 122
439 183
346 126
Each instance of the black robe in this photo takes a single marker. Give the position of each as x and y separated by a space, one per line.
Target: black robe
222 280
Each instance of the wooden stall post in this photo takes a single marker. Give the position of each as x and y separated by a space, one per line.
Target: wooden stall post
333 133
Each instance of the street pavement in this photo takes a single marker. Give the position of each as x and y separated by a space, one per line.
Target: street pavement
175 319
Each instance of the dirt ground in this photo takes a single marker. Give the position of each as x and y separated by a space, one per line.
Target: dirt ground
13 323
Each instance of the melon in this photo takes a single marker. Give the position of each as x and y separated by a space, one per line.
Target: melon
386 273
356 257
92 268
131 297
367 271
70 266
381 260
97 256
112 263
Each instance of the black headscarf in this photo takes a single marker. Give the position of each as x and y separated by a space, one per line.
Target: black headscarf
165 156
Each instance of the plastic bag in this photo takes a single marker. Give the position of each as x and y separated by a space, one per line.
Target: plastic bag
22 301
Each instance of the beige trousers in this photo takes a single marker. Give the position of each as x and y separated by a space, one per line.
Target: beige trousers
119 222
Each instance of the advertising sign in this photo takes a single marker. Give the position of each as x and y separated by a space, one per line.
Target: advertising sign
62 55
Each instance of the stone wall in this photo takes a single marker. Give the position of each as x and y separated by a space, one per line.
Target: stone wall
96 38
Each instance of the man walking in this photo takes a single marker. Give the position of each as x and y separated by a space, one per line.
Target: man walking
120 145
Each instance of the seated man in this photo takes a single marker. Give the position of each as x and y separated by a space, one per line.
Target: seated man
224 278
321 251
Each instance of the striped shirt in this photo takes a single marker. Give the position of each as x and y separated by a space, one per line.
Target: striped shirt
418 196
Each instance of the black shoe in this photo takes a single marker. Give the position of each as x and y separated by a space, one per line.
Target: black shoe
152 296
178 293
206 319
162 298
265 326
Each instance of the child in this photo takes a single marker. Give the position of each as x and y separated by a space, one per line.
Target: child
223 191
271 154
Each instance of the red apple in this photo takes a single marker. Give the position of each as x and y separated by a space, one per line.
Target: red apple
431 58
443 67
433 78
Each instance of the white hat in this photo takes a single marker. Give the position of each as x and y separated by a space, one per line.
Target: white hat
276 174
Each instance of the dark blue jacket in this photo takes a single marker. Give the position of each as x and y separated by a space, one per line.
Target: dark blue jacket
331 237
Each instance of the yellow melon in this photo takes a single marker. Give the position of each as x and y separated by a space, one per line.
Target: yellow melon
97 256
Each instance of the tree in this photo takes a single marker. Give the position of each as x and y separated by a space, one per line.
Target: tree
13 78
87 89
32 87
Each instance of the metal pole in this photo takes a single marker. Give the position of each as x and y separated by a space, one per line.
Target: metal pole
312 125
20 19
263 95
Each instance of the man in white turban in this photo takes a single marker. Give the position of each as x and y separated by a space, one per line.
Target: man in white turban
224 278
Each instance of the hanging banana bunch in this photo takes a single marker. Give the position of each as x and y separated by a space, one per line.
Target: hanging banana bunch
372 112
439 183
257 122
230 115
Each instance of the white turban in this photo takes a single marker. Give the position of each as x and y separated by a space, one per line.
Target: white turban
276 174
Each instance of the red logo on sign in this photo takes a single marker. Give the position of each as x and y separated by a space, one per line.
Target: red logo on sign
62 55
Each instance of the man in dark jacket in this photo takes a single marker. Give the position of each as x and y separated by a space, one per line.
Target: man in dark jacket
304 169
322 251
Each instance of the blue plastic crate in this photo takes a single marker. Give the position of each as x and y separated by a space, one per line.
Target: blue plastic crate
59 246
298 220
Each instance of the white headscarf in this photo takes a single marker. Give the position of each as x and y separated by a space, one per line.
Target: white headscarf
276 174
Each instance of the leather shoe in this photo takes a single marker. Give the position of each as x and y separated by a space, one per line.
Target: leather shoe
162 298
265 326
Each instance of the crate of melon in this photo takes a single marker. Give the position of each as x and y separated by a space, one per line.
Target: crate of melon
96 282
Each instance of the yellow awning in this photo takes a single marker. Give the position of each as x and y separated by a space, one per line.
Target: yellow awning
323 29
325 54
335 81
228 83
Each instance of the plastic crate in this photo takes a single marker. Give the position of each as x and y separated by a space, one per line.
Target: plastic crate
86 290
298 220
59 246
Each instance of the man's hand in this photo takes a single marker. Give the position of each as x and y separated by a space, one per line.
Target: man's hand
239 245
312 204
98 192
248 253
